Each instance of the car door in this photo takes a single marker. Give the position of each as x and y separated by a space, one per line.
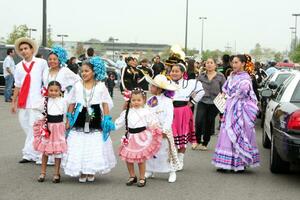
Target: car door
273 103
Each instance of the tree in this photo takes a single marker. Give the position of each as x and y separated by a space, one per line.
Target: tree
18 31
257 52
295 55
79 49
215 54
278 57
149 54
50 41
192 52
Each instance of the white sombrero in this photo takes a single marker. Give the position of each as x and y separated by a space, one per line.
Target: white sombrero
162 82
26 40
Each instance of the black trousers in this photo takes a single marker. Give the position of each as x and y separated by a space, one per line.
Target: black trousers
111 92
205 122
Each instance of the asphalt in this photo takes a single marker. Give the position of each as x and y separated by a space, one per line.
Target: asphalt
198 180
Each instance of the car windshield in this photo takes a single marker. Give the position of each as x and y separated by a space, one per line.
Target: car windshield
281 78
296 94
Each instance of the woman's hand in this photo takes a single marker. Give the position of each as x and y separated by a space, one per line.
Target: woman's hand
190 104
67 124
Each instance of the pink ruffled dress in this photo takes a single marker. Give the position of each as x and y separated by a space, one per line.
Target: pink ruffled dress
144 137
55 144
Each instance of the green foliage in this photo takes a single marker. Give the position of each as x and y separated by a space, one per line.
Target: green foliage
79 49
257 52
278 57
18 31
295 55
215 54
50 41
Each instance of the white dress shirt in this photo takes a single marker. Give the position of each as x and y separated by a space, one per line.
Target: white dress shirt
36 74
8 63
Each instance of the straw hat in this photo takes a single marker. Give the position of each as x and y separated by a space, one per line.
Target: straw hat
162 82
28 41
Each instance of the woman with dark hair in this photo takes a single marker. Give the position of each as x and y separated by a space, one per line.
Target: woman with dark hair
90 149
131 76
212 82
236 148
58 72
191 69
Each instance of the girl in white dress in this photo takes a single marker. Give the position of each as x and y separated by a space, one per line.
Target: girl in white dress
90 149
161 105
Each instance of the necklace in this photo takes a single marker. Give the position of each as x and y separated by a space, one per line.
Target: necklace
89 110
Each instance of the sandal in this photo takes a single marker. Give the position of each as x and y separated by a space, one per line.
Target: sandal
56 179
42 177
131 181
142 182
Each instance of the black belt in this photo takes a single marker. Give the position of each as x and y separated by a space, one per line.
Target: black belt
55 118
180 103
136 130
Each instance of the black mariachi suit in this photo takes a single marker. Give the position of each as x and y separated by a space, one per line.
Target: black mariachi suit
143 82
130 78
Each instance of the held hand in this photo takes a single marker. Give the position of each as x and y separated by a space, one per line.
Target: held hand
190 104
13 109
67 124
164 135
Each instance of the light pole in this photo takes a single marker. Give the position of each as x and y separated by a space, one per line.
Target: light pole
30 30
44 39
202 18
296 38
292 36
62 38
113 43
186 25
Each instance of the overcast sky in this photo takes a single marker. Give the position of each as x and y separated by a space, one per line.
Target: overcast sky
161 21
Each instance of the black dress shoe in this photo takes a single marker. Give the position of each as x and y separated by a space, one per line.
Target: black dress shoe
131 181
24 161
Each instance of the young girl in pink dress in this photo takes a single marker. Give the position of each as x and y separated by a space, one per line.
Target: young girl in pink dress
49 132
142 138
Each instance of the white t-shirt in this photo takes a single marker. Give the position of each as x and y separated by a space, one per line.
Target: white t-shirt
8 63
36 74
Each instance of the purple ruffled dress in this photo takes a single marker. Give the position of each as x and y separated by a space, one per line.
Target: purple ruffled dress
236 147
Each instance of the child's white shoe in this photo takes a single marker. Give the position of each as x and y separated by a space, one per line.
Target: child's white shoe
82 179
172 177
91 178
149 175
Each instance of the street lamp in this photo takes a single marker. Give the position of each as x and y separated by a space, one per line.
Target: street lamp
202 18
293 36
296 38
186 25
113 42
30 30
62 38
44 38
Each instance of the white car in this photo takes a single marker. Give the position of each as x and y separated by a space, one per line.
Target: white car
283 93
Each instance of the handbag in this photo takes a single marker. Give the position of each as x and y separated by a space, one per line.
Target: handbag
220 102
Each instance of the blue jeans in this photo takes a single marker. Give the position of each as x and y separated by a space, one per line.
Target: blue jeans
9 81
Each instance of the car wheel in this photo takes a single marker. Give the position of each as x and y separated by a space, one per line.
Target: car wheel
265 139
277 165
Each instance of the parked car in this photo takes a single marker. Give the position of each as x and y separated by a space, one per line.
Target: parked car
282 130
277 78
3 49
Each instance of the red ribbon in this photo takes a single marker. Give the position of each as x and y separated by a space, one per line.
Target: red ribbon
24 91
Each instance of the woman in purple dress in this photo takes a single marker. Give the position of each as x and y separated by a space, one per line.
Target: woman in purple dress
236 148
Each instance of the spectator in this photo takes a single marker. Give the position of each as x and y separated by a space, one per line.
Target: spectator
110 83
144 67
121 63
8 72
158 66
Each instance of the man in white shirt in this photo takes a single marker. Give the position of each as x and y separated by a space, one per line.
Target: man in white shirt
8 72
27 93
121 63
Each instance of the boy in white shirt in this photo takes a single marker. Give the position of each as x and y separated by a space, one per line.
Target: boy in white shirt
27 92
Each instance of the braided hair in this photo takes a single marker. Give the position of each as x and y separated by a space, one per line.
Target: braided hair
45 112
135 91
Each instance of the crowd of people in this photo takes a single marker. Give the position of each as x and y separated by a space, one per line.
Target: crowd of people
66 115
